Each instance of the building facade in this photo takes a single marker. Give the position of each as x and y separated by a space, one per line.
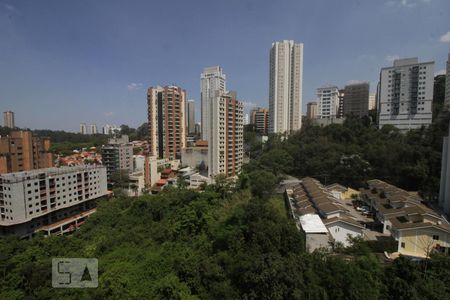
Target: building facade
21 151
447 84
356 99
166 121
225 146
259 117
212 80
328 102
118 155
405 95
311 110
372 102
92 129
444 188
191 117
51 200
8 119
340 113
285 87
83 128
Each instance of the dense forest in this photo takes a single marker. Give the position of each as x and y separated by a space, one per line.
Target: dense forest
224 243
356 151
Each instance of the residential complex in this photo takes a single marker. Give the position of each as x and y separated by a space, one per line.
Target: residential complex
8 119
259 117
285 87
417 229
166 121
118 155
52 200
328 102
311 110
212 80
447 84
21 151
92 129
191 117
405 94
225 144
111 129
321 215
356 99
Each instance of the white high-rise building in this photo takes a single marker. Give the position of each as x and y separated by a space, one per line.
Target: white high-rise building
285 91
83 128
226 142
444 188
191 116
405 95
447 84
92 129
8 119
212 80
328 102
372 102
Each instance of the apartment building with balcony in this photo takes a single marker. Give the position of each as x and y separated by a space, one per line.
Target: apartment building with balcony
21 151
52 200
226 140
259 117
328 102
405 94
167 121
118 155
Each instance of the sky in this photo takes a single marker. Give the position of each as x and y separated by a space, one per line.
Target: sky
67 62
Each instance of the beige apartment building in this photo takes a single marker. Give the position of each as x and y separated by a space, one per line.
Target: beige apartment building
166 121
311 110
21 151
8 119
259 117
226 140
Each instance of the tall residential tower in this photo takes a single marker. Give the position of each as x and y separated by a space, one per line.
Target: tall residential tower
447 84
226 141
8 119
191 117
166 121
212 80
285 87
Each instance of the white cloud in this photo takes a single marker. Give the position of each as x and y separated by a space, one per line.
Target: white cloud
9 7
248 104
445 38
391 58
440 72
354 81
108 113
134 86
405 3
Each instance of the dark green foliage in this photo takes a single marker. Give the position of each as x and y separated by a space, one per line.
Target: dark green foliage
356 151
182 244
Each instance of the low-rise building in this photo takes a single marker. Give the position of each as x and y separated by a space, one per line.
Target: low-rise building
418 229
311 197
53 200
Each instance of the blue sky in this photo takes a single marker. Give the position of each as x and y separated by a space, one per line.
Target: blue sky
66 62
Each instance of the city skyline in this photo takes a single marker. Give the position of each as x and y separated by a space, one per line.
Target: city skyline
89 67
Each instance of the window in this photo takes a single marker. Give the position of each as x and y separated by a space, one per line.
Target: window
402 245
436 237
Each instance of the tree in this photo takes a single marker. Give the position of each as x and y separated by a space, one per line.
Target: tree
262 183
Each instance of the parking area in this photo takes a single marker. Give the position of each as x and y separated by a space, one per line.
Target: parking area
358 215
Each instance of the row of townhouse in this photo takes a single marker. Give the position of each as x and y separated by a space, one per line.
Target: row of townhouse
319 214
417 229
